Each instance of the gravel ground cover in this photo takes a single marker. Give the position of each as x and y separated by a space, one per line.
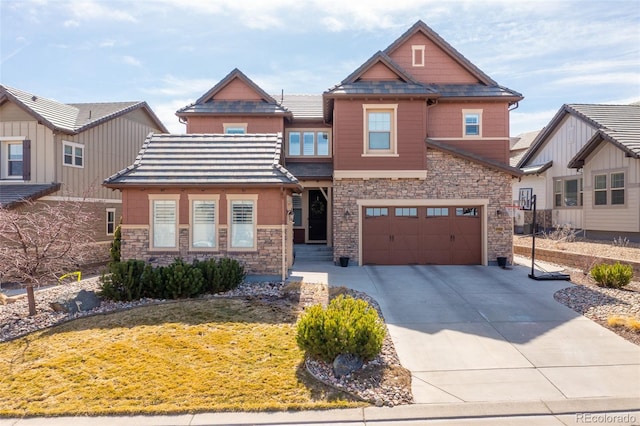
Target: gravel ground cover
586 297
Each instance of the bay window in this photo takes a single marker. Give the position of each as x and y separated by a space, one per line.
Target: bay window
567 192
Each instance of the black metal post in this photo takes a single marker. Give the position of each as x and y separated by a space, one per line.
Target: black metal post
533 235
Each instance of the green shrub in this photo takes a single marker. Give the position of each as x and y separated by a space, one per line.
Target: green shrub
347 326
116 244
135 279
616 276
123 283
181 280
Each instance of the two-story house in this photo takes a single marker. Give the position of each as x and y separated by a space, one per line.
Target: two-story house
50 151
406 161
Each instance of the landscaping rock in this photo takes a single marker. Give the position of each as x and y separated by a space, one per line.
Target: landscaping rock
81 301
346 364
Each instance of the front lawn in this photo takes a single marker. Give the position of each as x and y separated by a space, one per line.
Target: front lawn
189 356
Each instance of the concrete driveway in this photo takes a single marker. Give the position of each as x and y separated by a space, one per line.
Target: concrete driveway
485 334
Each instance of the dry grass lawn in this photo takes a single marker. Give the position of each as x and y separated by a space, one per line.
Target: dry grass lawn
190 356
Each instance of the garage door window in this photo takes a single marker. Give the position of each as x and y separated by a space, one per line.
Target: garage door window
467 211
437 211
407 211
376 211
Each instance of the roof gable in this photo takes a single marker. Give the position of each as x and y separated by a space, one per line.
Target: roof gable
72 118
440 48
374 64
235 94
236 86
619 124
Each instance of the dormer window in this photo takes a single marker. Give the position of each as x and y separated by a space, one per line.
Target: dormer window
417 55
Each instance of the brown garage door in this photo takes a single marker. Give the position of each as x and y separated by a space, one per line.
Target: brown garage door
421 235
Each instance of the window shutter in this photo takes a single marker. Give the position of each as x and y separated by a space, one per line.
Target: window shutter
26 159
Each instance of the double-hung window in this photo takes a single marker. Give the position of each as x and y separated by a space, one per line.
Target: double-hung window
111 221
72 154
609 189
164 221
472 122
308 143
243 220
380 123
12 159
203 221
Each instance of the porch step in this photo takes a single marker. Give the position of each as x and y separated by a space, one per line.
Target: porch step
313 252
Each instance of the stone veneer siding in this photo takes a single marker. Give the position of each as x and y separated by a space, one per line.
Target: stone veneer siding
448 177
266 260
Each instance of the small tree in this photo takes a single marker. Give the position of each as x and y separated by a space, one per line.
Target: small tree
39 241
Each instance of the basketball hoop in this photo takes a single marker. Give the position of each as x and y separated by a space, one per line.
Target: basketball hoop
525 196
512 211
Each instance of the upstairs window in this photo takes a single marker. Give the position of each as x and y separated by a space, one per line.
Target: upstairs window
14 159
235 128
380 129
72 154
472 123
308 143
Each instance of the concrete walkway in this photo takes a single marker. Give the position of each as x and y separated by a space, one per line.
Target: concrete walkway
485 346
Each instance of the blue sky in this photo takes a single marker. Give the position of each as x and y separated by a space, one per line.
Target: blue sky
170 52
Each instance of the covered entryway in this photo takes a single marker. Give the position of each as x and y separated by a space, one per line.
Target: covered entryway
421 235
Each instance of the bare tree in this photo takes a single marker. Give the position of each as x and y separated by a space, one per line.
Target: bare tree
39 241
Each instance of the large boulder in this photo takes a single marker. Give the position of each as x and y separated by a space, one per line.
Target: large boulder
345 364
82 300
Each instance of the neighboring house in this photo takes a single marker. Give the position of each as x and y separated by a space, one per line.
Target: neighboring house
585 171
50 151
519 146
406 161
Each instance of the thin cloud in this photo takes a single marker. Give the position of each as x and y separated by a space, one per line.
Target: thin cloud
88 10
130 60
622 78
175 86
71 23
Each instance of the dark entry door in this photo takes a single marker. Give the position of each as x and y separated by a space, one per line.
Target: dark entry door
317 216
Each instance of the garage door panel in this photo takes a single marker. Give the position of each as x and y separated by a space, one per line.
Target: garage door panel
405 237
435 241
467 237
376 231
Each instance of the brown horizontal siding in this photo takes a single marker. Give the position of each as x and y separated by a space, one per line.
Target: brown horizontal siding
348 137
439 66
237 90
209 124
445 119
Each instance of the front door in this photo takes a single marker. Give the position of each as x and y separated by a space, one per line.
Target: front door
317 216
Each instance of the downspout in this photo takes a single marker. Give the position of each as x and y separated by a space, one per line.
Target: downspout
517 104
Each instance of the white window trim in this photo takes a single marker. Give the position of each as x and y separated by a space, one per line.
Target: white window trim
608 189
242 197
110 210
73 146
226 126
315 131
466 112
415 49
4 156
393 143
205 197
162 197
563 198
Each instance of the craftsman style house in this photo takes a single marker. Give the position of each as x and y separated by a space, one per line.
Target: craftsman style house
52 151
584 168
406 161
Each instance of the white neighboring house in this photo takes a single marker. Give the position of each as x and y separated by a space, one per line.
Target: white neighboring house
519 146
584 168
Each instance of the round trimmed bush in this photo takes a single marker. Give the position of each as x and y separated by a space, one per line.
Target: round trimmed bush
346 326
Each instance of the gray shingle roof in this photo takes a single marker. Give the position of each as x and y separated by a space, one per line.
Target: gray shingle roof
382 88
306 170
207 159
233 108
618 124
13 194
473 90
72 118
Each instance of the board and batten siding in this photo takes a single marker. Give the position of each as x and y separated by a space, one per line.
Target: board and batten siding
560 147
108 148
609 159
42 148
